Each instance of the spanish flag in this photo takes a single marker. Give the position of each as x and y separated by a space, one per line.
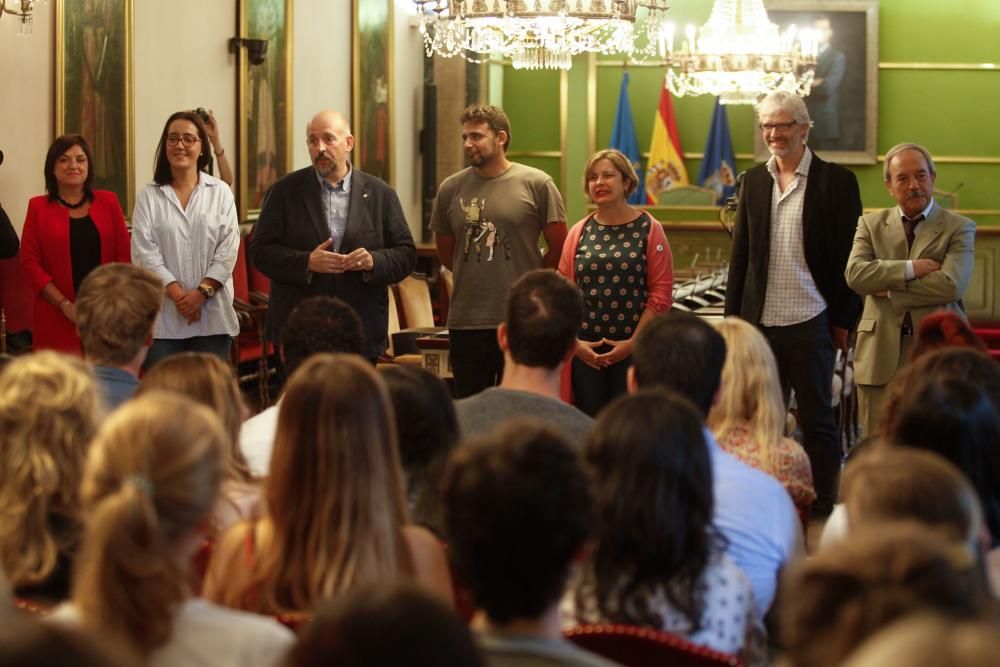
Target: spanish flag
665 168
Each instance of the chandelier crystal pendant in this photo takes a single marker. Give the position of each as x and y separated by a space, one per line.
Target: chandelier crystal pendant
539 34
740 56
23 10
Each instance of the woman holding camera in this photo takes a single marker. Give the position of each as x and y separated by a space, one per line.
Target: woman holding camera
185 229
68 233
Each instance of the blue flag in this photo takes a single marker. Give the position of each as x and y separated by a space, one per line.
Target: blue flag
623 139
718 166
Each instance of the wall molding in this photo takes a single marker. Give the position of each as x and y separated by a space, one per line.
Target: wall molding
965 67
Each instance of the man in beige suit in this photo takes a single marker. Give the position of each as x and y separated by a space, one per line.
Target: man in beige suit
907 261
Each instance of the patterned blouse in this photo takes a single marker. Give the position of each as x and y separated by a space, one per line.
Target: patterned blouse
791 465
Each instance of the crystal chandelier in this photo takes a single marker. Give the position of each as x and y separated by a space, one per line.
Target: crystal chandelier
740 56
539 34
23 10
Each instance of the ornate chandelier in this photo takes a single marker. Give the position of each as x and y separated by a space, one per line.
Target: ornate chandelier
23 10
740 56
538 34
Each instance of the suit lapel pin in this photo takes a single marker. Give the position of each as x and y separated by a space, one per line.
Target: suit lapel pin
364 195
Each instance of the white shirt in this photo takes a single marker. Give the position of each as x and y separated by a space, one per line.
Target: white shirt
187 245
908 272
791 296
257 439
206 635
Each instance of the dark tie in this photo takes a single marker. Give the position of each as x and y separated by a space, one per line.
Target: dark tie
910 227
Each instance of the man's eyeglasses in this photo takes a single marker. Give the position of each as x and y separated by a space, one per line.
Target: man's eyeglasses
778 127
188 140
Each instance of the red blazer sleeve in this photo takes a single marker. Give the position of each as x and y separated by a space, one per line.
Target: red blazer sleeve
121 243
32 263
659 269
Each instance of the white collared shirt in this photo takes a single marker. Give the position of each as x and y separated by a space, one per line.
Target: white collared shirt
791 296
187 245
336 205
909 273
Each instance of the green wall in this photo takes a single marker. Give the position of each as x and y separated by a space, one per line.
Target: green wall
953 112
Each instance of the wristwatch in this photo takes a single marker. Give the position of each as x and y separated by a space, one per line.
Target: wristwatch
207 290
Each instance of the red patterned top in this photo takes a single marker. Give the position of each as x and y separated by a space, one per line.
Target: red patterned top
790 467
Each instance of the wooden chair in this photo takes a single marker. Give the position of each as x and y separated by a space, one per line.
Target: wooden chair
251 344
393 353
416 309
645 647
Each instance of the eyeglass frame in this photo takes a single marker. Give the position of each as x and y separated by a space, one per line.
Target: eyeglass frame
780 128
188 140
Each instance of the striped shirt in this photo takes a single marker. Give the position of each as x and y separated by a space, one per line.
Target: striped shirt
336 203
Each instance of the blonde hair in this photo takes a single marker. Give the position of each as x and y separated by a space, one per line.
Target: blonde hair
750 390
621 164
152 477
207 380
49 410
335 494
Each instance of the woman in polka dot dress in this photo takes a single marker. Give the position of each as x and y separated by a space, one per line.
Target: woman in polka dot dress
620 258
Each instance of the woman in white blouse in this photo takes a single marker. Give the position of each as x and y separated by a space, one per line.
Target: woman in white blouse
185 229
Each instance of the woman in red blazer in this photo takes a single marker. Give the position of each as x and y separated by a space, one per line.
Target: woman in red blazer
67 233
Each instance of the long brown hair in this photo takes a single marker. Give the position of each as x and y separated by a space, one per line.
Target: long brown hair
335 494
152 478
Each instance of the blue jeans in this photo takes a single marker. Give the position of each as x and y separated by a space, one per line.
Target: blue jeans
164 347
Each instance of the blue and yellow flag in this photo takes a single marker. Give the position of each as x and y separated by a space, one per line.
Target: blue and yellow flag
718 166
623 139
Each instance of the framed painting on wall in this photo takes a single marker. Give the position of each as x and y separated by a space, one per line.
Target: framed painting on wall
265 107
372 87
843 102
94 87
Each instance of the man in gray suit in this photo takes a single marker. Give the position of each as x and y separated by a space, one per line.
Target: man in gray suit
907 261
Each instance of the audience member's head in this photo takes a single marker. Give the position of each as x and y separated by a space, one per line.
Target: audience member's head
951 416
930 640
49 411
26 643
116 308
427 431
320 324
944 328
335 494
651 482
543 316
207 380
888 483
517 511
682 352
386 625
750 393
849 591
153 476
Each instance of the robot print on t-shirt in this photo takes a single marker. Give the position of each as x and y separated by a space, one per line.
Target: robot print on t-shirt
480 232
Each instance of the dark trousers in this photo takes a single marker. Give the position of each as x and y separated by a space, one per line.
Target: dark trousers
805 355
593 389
165 347
476 360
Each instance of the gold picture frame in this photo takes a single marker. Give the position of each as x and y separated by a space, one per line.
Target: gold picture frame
264 100
372 83
845 118
94 91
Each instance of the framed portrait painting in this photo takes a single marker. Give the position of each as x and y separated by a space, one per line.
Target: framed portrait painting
843 102
372 87
94 87
265 107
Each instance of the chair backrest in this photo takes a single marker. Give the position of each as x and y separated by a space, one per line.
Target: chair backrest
415 300
258 281
393 321
645 647
241 280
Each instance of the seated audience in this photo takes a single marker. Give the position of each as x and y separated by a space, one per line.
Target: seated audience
517 513
930 640
336 515
944 328
116 309
748 419
150 486
657 560
25 643
682 352
49 410
851 590
208 380
317 324
386 625
427 431
537 338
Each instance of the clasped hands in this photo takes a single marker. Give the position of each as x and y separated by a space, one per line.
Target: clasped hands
323 260
586 351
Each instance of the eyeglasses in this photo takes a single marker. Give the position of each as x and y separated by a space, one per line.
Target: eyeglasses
778 127
188 140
